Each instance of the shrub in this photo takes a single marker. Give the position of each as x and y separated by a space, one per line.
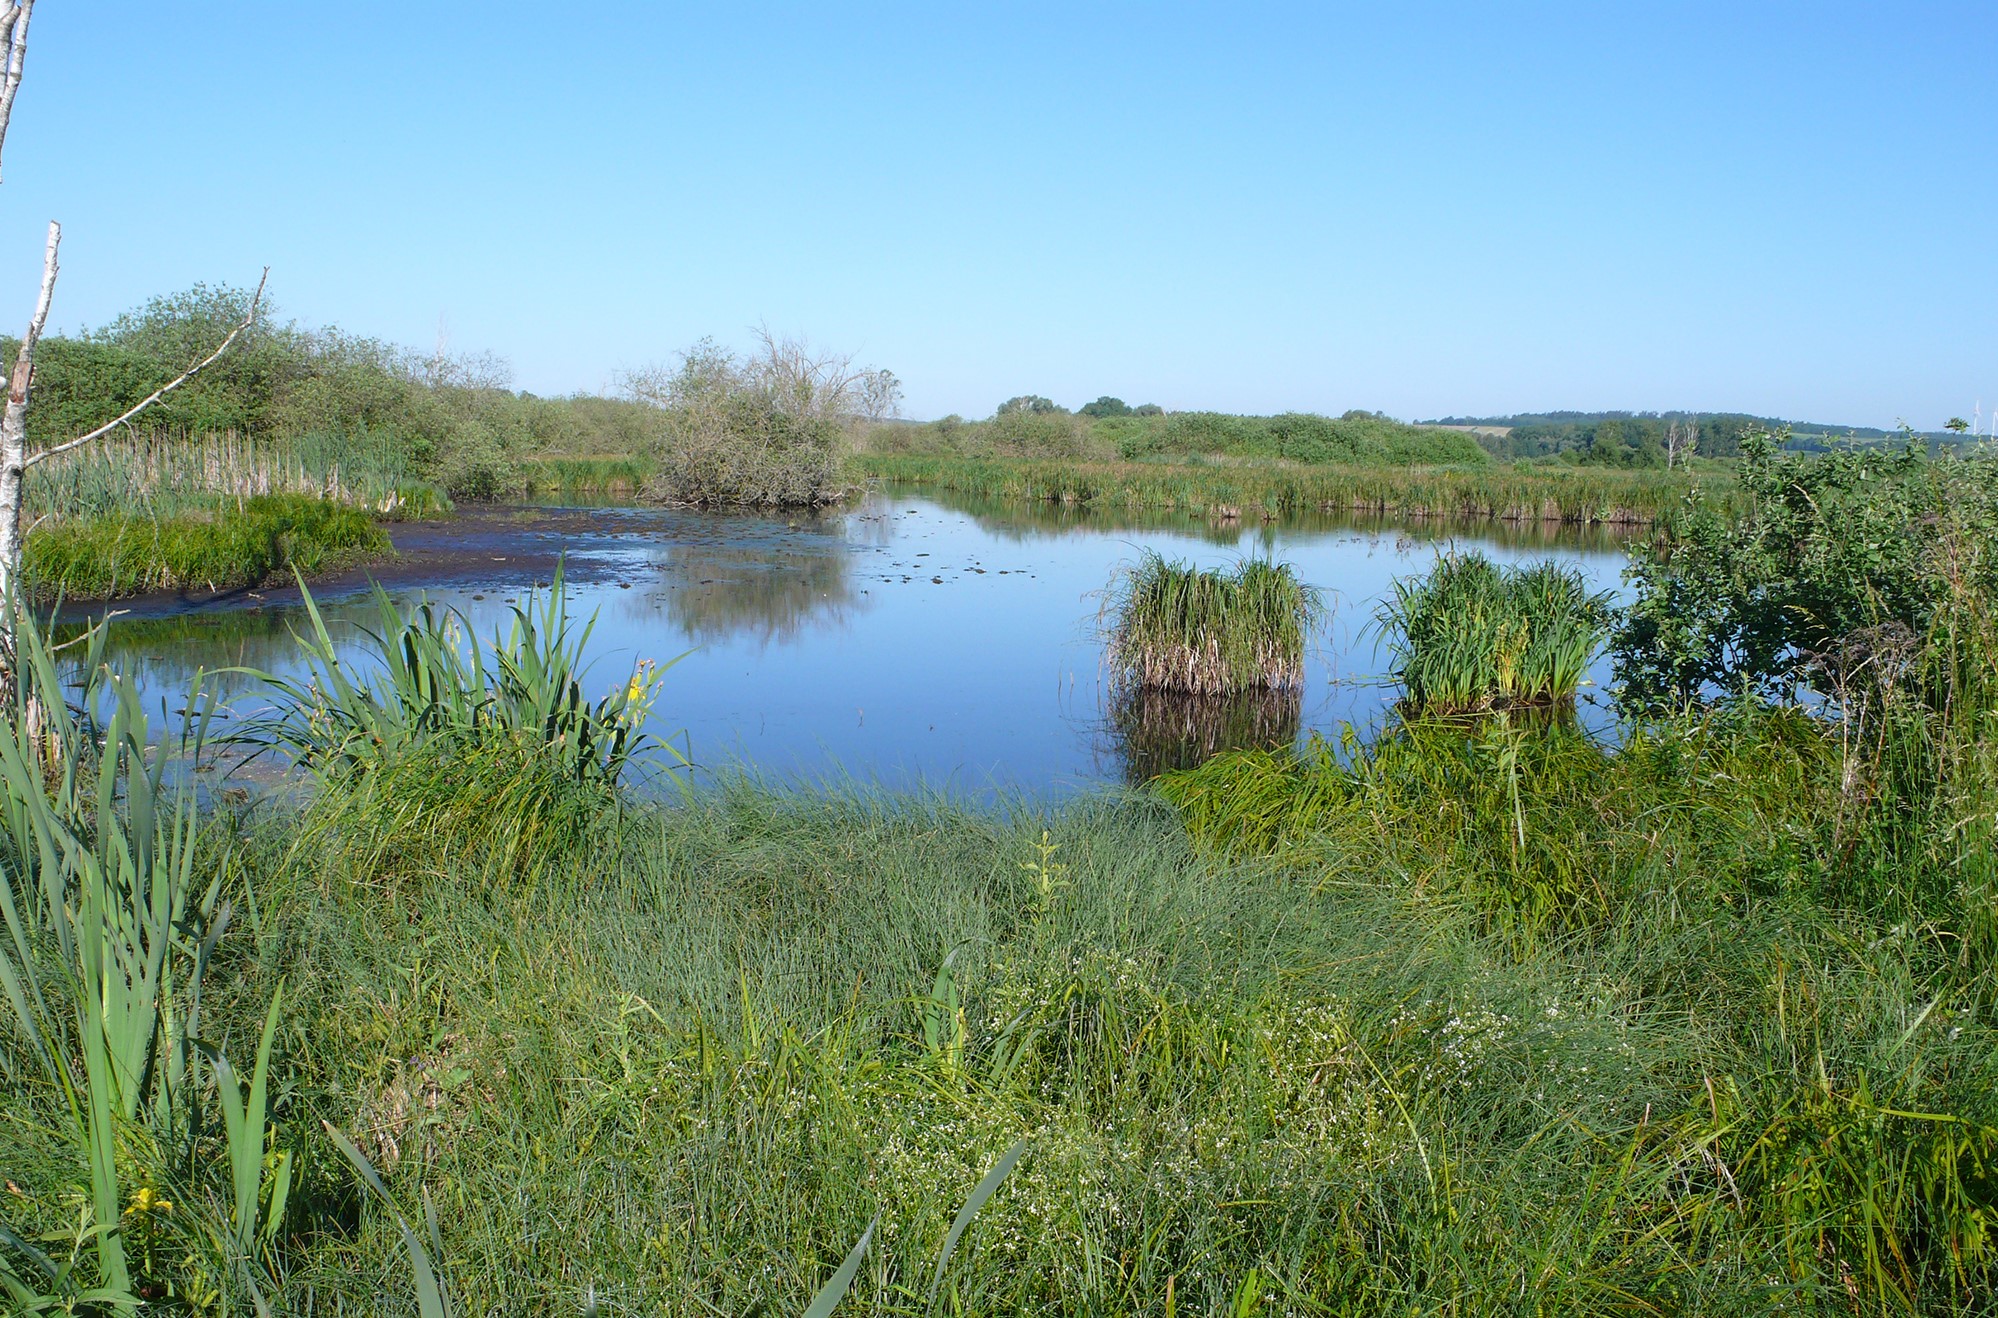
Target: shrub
1832 567
767 430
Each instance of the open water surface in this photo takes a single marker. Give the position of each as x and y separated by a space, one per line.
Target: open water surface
915 639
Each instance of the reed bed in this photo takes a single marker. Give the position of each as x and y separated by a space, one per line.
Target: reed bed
1214 632
1270 490
1472 636
167 473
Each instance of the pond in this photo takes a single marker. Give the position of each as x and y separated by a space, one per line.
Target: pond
914 639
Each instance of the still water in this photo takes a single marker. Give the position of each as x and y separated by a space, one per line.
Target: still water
913 639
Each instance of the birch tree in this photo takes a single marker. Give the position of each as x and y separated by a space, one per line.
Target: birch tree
15 460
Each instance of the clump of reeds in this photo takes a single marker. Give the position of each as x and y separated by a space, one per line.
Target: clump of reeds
1473 636
1211 631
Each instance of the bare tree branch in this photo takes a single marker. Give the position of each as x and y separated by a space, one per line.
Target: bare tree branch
14 25
156 395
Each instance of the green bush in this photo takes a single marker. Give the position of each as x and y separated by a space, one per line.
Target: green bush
1823 571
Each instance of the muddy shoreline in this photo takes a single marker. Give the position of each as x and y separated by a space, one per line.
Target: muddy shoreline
498 545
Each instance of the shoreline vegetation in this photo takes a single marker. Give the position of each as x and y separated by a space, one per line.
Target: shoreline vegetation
1255 491
1481 1015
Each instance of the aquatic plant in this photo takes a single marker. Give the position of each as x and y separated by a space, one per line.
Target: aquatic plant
436 689
225 548
113 908
1175 627
1473 636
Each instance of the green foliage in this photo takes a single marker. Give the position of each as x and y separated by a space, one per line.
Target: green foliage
249 544
1589 496
1825 570
1472 636
1104 406
1175 627
1296 436
114 906
450 421
1032 404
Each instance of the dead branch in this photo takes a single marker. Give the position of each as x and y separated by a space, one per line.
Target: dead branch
156 395
14 27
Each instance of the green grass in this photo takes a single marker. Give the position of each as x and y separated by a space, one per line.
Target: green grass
594 477
258 540
1209 632
1265 490
1472 636
1471 1020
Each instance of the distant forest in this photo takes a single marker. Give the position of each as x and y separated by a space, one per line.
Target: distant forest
1640 439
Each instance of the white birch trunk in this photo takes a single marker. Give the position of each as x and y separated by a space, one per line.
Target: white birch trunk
14 451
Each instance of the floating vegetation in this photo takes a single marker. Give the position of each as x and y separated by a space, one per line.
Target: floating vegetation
1210 632
1473 636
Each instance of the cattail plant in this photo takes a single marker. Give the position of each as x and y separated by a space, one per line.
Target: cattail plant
1210 632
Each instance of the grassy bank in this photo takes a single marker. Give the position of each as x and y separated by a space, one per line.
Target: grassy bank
1645 1053
1513 494
236 545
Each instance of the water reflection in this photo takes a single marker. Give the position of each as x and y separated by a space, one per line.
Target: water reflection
766 593
1022 520
1155 731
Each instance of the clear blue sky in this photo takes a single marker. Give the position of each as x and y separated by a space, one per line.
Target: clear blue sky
1421 208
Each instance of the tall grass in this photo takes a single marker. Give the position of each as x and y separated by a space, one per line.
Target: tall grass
223 549
1510 494
430 729
586 477
1473 636
114 906
1210 632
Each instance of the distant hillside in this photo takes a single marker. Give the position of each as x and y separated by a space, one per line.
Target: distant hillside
1640 438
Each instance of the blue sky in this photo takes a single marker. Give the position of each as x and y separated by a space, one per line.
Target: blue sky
1420 208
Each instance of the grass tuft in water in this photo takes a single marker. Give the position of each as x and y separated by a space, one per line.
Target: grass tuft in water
1474 636
1210 631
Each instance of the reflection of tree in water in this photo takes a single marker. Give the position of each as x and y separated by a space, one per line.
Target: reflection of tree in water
1155 731
772 589
1028 519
